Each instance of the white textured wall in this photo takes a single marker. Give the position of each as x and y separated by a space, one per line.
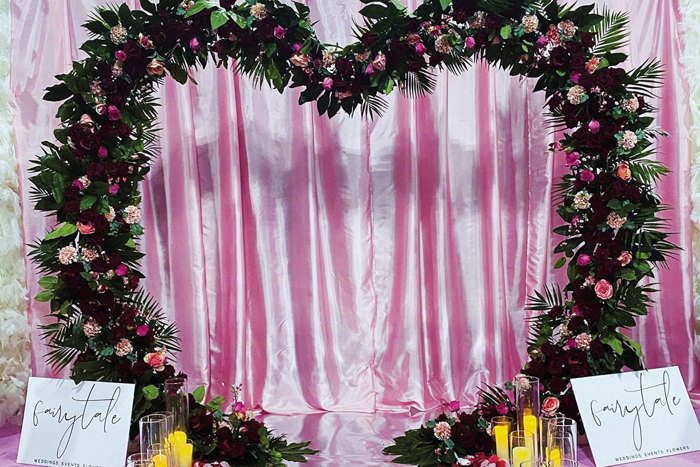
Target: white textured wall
690 9
14 331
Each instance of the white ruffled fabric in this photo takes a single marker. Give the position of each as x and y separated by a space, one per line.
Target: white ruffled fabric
690 10
14 330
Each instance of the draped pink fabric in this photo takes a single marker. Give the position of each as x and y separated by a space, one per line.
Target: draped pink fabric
354 265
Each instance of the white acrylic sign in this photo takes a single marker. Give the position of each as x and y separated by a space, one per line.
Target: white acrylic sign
68 424
631 417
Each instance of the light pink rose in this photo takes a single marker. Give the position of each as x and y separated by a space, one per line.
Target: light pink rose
86 228
101 109
86 122
550 406
624 172
300 60
625 258
156 360
603 289
156 68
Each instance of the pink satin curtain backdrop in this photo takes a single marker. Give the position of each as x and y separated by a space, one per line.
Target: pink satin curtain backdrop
350 265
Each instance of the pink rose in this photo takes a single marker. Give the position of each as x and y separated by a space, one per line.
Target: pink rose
370 69
280 32
625 258
603 289
583 260
120 55
156 360
557 146
572 159
79 184
470 43
624 172
300 60
296 47
550 406
453 406
239 408
100 109
121 270
586 175
421 48
194 44
502 408
146 42
113 113
102 152
328 84
86 228
594 126
142 330
379 62
114 189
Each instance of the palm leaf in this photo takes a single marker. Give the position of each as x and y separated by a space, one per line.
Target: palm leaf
611 32
648 76
418 84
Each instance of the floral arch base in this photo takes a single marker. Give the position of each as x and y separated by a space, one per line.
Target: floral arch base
107 328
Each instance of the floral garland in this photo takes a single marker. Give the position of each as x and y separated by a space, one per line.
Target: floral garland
110 329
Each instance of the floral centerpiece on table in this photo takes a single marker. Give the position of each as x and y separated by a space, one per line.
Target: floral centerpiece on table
236 438
456 436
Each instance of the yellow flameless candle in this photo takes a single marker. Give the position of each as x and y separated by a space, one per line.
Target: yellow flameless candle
160 460
527 411
500 434
554 457
177 438
183 454
520 455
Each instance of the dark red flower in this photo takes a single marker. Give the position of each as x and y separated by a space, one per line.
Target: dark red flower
250 428
203 422
557 385
588 39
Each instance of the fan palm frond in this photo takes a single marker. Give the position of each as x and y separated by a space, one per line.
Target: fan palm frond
611 32
418 83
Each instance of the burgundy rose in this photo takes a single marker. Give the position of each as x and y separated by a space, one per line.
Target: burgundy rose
463 437
579 371
251 428
71 191
559 57
575 324
202 422
556 366
140 368
72 206
557 385
588 39
436 59
368 39
556 311
168 372
597 348
468 419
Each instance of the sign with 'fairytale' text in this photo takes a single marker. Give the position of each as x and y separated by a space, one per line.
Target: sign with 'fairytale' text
631 417
68 424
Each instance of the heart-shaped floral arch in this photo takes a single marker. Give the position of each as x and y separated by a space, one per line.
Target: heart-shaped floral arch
110 329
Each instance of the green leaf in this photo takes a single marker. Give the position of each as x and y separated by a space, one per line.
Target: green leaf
48 282
63 231
57 93
87 201
218 19
150 392
44 296
198 394
445 3
560 262
506 31
215 404
374 11
110 17
199 6
614 342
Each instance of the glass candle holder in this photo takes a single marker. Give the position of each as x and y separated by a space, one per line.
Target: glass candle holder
169 429
562 463
177 403
153 430
527 402
501 428
139 460
159 455
562 439
545 422
522 448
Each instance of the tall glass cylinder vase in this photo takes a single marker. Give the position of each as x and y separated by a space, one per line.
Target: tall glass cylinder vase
527 403
177 403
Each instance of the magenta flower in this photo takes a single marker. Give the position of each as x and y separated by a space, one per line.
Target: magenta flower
194 44
280 32
328 84
114 189
594 126
575 75
586 175
572 159
102 152
542 42
142 330
239 408
502 408
583 260
297 47
470 43
79 184
113 113
370 69
120 55
571 343
453 406
121 270
421 48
